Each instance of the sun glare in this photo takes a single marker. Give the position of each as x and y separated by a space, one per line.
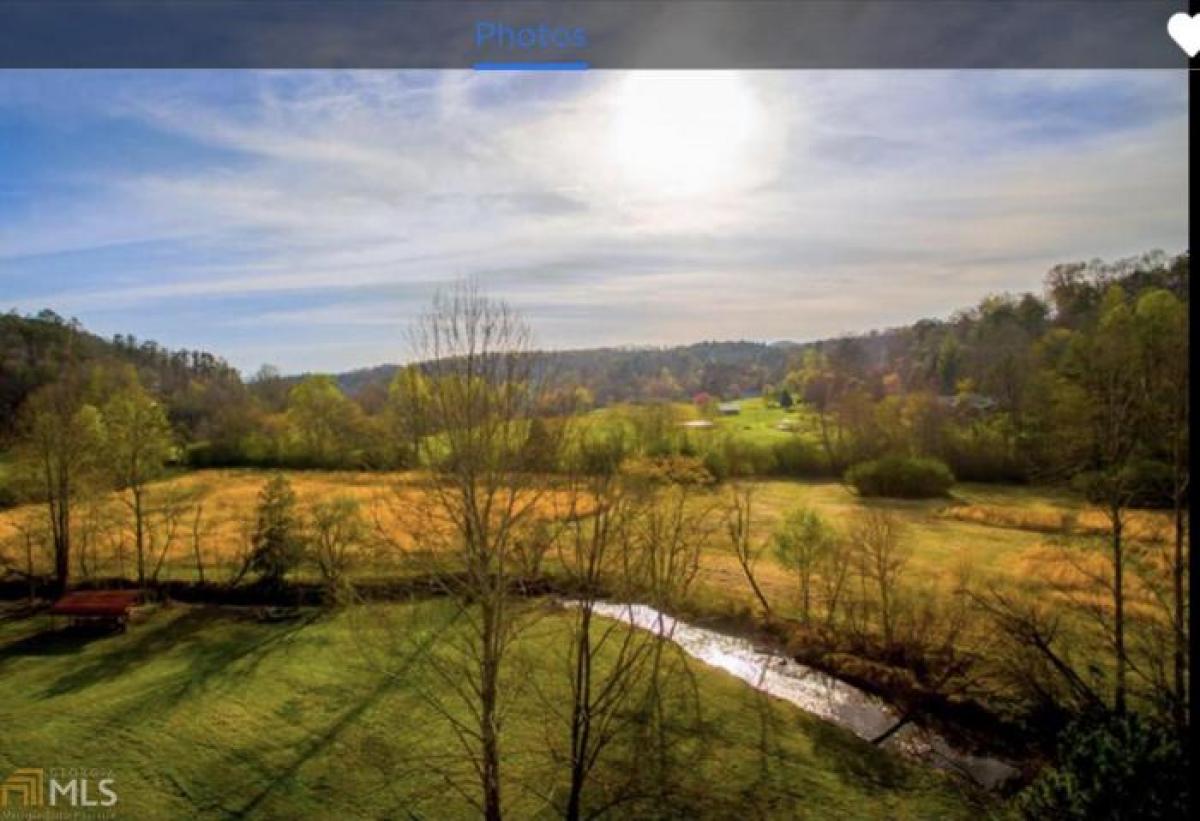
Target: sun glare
685 133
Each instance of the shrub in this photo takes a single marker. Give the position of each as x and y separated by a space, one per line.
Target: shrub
539 454
1112 767
729 456
337 534
600 455
716 463
796 457
675 470
983 451
901 477
8 492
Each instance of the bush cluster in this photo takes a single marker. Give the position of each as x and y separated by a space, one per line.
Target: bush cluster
729 457
903 477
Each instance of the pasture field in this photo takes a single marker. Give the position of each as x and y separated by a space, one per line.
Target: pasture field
756 423
206 712
998 532
762 424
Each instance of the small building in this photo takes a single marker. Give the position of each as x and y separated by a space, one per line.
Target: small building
970 402
729 408
975 402
108 608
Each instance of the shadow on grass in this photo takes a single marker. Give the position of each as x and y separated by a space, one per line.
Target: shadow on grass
187 636
61 642
858 761
19 611
222 663
141 644
785 772
315 746
881 771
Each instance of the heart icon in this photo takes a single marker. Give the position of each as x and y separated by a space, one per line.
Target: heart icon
1185 30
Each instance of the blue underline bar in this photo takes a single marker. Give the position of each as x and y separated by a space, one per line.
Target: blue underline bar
561 65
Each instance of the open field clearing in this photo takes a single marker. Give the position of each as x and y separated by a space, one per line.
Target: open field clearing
756 422
206 711
996 532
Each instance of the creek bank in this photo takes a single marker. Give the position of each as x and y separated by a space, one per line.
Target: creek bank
814 691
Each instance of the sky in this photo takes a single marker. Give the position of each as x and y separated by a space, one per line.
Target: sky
304 219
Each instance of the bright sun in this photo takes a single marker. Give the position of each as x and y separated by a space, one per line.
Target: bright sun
685 133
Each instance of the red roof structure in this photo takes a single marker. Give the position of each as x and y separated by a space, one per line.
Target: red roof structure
98 603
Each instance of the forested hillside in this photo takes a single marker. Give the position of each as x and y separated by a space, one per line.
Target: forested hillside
36 350
636 374
973 349
978 390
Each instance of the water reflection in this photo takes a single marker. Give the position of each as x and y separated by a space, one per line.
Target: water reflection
811 690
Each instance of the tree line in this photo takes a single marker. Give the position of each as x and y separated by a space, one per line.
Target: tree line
968 391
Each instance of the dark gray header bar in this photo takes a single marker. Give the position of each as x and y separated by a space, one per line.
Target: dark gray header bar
877 34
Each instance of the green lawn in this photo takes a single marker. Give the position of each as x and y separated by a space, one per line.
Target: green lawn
756 422
206 712
761 424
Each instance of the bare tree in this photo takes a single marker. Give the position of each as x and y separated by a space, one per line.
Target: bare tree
137 444
622 538
594 551
483 387
669 534
60 441
97 520
882 554
243 524
337 532
738 526
1038 659
31 536
201 528
835 573
164 524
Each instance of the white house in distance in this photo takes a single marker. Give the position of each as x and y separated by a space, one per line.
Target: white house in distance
729 408
976 402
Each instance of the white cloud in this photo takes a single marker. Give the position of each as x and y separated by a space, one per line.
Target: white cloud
861 199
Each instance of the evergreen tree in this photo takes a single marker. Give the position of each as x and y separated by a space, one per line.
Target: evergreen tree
277 544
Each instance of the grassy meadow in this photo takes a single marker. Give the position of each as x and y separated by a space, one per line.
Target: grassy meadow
757 422
204 711
994 532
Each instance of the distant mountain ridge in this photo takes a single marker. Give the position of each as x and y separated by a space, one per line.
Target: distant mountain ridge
616 374
934 354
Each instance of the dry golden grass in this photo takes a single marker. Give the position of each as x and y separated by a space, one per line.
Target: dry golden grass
1082 574
1000 532
1140 524
399 517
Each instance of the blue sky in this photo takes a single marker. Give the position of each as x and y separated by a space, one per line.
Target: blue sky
304 218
